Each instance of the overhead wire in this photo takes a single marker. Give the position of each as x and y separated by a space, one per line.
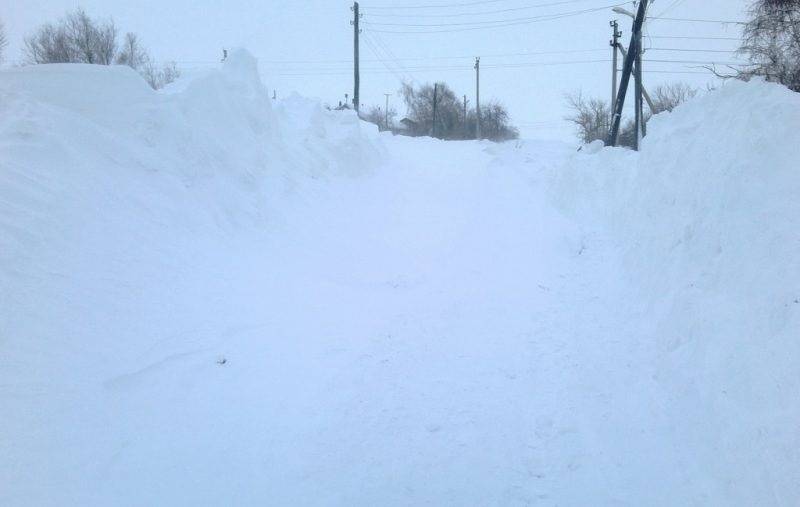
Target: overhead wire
435 6
476 13
671 6
376 51
392 57
417 69
724 22
393 65
692 37
497 22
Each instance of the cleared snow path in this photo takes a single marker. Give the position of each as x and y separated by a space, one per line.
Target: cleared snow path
420 335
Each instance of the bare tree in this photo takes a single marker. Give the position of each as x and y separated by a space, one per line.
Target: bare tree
419 102
159 77
132 53
667 97
76 38
771 43
378 116
495 123
591 117
49 44
3 40
450 121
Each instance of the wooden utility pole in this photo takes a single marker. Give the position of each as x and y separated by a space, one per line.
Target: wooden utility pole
356 74
435 92
637 77
477 97
646 95
387 110
640 91
627 70
614 46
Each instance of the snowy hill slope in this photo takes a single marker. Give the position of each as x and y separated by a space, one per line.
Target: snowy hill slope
207 298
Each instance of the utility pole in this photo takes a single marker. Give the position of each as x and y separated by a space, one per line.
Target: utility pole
627 70
435 92
646 95
614 45
387 110
478 97
641 131
356 74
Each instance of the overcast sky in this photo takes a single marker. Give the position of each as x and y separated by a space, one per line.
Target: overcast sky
307 46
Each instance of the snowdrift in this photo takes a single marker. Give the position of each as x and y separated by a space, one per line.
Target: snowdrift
122 218
208 297
707 218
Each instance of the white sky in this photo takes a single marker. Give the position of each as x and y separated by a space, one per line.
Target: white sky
313 41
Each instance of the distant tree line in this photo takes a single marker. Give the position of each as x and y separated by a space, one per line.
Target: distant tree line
3 40
452 121
77 38
378 116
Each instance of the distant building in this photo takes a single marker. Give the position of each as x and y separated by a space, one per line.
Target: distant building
408 127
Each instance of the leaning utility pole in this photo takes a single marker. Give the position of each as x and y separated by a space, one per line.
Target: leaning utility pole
435 92
627 68
614 45
387 110
477 97
356 75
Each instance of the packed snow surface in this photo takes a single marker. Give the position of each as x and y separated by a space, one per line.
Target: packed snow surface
208 297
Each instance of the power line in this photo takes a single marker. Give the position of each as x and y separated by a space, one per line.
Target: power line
375 52
439 6
691 37
671 6
415 58
379 72
694 50
397 69
724 22
701 62
510 20
707 73
388 51
330 71
477 13
452 30
377 48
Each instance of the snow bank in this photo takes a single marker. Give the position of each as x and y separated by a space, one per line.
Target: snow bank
211 298
123 215
707 222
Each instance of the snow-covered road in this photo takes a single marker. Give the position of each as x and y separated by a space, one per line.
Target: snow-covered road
422 334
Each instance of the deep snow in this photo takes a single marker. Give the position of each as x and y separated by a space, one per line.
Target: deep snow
207 298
